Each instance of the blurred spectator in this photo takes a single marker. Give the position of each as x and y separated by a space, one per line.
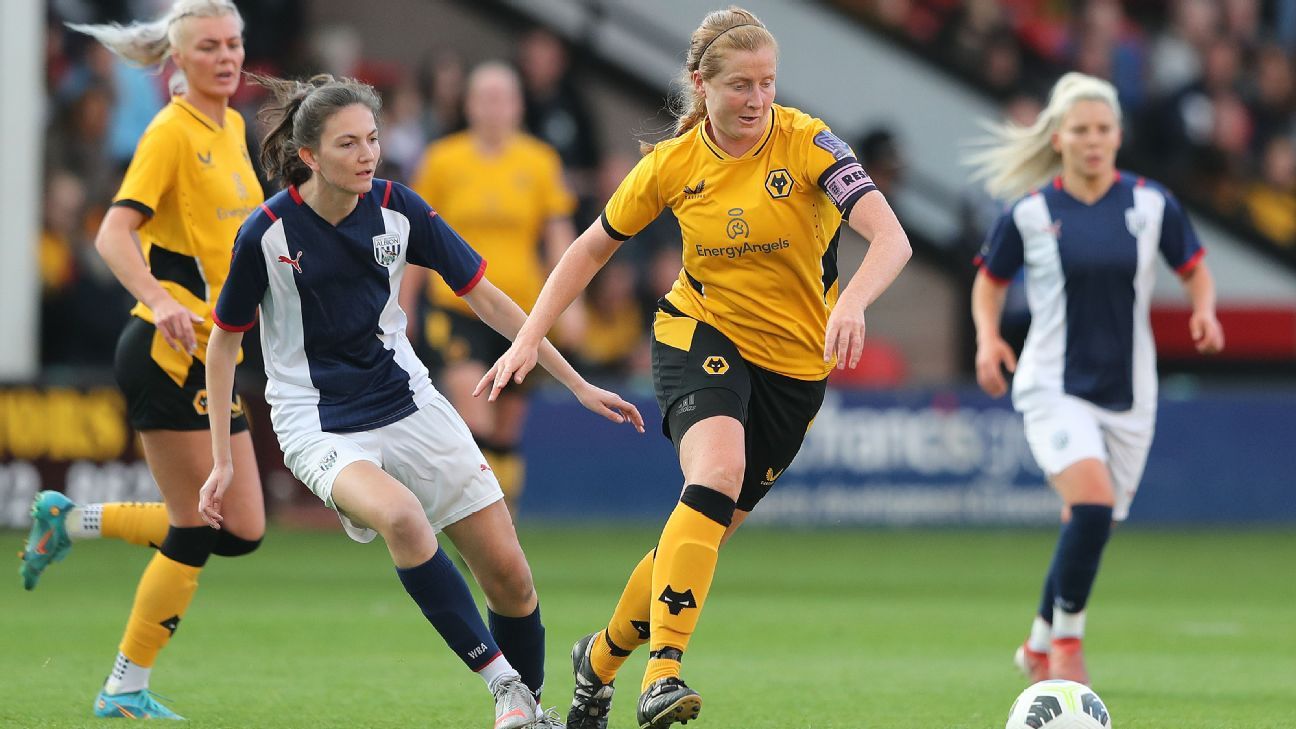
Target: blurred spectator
77 140
1176 52
557 113
1271 99
403 136
614 323
879 153
1271 202
441 81
82 306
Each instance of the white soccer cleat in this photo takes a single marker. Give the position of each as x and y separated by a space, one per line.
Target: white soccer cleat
515 707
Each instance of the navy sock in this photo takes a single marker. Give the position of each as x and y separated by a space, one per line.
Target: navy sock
442 594
1049 594
523 643
1079 550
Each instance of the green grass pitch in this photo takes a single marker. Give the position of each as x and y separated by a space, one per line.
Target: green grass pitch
831 629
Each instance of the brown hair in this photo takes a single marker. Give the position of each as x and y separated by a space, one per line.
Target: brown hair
721 32
296 115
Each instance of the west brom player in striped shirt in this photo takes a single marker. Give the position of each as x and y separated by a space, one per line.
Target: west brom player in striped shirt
1086 384
355 413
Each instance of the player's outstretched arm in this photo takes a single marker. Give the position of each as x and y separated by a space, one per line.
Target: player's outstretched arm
578 265
502 314
222 352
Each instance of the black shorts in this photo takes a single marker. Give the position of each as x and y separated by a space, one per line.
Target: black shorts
450 337
698 373
153 400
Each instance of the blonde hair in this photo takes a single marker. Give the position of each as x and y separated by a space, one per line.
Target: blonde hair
1015 160
151 43
721 32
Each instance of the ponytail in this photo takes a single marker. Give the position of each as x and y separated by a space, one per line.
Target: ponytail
295 116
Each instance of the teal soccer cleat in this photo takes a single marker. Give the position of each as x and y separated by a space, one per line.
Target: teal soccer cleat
48 541
134 705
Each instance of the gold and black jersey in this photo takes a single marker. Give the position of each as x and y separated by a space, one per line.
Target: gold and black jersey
500 204
193 180
760 233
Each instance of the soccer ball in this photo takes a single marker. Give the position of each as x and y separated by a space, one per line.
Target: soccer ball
1058 705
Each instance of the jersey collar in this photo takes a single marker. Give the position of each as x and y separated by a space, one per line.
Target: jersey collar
749 154
192 110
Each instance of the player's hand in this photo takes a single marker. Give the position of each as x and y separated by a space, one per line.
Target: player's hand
992 357
176 324
609 404
515 365
845 337
212 494
1207 334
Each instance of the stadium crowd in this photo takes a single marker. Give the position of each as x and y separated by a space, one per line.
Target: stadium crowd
1208 86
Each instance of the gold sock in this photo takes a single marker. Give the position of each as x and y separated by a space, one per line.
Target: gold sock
137 522
682 573
628 628
164 593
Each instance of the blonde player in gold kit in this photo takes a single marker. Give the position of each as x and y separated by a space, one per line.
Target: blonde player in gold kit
743 342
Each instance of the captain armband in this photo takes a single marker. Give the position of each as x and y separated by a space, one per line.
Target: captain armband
845 183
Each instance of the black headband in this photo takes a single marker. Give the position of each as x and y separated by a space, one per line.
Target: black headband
717 37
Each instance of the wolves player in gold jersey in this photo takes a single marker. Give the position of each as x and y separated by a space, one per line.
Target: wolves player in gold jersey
503 190
168 238
743 342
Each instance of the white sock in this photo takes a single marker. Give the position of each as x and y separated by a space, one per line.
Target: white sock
1041 636
85 522
126 677
1068 625
496 671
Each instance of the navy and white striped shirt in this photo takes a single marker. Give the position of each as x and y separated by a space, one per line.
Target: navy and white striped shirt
1089 279
332 332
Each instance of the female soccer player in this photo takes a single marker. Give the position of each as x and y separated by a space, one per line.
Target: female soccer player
1088 236
356 415
167 239
743 342
504 191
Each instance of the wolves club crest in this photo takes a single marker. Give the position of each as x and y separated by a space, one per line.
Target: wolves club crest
387 248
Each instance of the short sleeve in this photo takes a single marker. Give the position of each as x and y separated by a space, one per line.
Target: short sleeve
152 170
236 309
434 244
1002 255
832 164
636 202
557 200
1179 244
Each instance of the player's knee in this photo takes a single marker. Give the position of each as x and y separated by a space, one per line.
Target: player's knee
511 590
723 473
189 545
229 545
401 523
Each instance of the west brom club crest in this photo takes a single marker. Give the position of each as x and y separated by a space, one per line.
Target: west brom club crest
387 248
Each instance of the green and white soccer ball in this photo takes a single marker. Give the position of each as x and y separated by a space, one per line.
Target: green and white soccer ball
1058 705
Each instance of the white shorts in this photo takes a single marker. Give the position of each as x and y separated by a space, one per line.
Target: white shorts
431 452
1062 430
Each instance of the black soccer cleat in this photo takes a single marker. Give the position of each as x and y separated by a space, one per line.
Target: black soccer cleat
667 701
592 699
